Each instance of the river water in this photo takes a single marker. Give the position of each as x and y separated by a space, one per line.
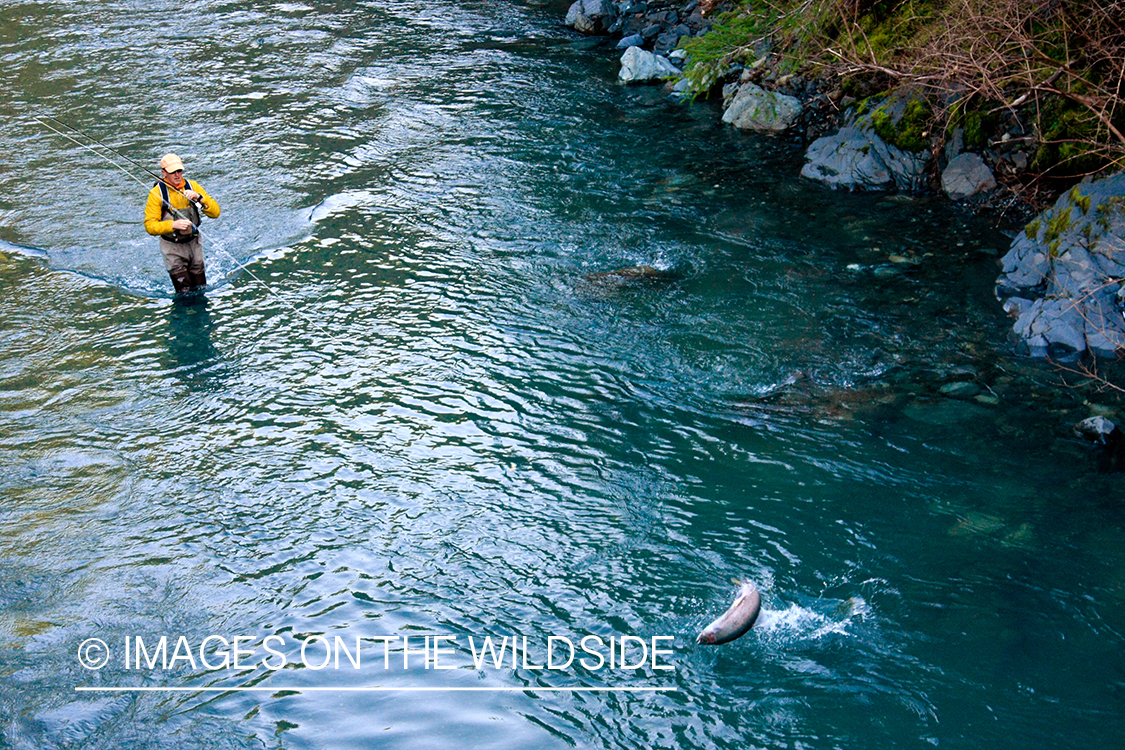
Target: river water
409 407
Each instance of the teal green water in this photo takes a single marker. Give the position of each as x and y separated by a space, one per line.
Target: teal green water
414 412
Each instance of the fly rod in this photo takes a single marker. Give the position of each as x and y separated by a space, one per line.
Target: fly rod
112 150
213 242
137 179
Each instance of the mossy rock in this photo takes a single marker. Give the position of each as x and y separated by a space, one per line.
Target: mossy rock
900 120
1080 200
977 126
1056 226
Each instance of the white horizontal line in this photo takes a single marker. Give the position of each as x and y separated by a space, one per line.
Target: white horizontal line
372 689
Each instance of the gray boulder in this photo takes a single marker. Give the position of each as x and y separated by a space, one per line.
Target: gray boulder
1066 272
754 108
857 159
591 16
633 40
641 66
681 91
965 176
668 40
1051 327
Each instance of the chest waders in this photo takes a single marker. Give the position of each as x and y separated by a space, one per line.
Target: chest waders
188 280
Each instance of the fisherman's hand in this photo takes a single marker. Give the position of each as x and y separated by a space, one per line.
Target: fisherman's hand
183 226
192 196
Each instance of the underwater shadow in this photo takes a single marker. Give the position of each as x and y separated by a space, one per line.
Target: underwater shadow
191 354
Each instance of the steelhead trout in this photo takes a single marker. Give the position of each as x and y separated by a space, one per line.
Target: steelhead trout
739 618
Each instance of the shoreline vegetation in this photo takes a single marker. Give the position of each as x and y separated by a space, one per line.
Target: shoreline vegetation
1035 89
1043 81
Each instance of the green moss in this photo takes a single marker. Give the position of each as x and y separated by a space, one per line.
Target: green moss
798 29
976 123
1108 206
914 127
1082 201
882 124
1056 225
893 35
910 132
852 86
889 29
1031 231
974 133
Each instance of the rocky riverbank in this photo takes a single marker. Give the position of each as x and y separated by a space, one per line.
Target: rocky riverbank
1063 278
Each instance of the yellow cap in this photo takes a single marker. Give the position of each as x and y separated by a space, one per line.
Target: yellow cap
171 163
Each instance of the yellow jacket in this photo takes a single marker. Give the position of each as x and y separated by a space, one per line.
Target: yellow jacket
154 207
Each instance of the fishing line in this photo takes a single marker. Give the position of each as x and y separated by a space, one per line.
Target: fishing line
134 162
211 241
92 150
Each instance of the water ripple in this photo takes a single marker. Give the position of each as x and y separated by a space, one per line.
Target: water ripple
422 406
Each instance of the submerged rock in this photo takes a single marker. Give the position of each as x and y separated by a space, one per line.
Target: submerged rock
960 389
944 412
1096 429
801 394
977 523
1108 440
641 272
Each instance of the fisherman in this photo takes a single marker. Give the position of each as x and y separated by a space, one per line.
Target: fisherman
172 213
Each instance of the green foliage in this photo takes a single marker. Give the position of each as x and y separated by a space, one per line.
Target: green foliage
886 31
1031 231
993 58
734 39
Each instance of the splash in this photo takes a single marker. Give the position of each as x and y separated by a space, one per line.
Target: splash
796 623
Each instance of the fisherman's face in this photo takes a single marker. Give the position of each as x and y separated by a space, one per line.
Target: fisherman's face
175 179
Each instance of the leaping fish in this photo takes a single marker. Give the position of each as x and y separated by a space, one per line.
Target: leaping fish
739 618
